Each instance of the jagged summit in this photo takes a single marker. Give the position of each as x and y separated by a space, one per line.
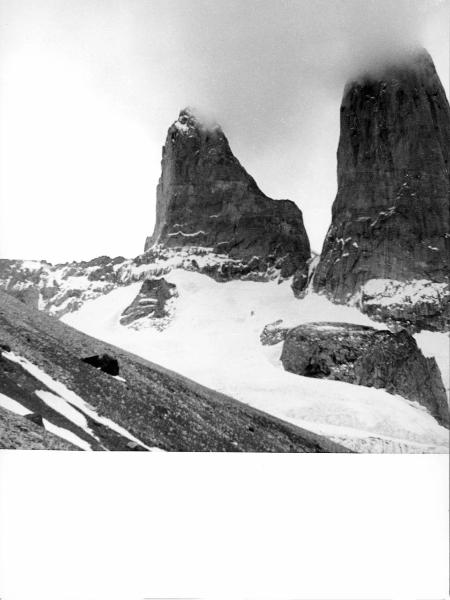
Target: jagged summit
390 216
206 199
191 119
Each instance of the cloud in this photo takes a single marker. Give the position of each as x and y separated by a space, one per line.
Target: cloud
271 72
266 57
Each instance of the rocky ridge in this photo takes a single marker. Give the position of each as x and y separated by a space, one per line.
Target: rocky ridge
63 288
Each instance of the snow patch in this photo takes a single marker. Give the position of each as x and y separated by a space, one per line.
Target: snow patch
390 291
200 232
63 408
13 405
183 127
437 345
66 435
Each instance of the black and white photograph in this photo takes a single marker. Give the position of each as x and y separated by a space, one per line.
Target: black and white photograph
165 300
224 228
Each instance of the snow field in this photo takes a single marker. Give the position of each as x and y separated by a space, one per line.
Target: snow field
213 338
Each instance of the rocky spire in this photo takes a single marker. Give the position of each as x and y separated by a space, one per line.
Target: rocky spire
206 198
390 217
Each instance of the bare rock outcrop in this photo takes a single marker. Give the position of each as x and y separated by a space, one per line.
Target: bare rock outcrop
205 198
370 357
274 333
152 302
390 218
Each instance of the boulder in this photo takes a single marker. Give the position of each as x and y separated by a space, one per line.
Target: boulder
135 447
106 363
367 356
35 418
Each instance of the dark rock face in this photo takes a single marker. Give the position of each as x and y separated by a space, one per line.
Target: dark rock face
150 302
366 356
105 363
391 213
206 198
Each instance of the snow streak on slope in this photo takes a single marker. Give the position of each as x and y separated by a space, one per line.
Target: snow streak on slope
18 409
66 402
13 405
214 339
67 435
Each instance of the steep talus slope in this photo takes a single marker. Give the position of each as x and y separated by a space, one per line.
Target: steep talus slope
160 408
22 434
205 198
390 218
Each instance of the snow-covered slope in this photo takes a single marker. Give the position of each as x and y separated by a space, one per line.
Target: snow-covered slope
46 369
214 339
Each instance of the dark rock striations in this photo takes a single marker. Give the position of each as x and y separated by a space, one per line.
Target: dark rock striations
366 356
391 213
205 198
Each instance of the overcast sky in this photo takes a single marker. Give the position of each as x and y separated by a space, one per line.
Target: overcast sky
88 89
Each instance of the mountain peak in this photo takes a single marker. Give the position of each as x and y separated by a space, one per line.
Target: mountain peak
193 119
206 199
390 215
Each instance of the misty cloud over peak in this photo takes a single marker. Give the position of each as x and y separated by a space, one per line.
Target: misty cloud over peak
197 117
94 83
414 59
